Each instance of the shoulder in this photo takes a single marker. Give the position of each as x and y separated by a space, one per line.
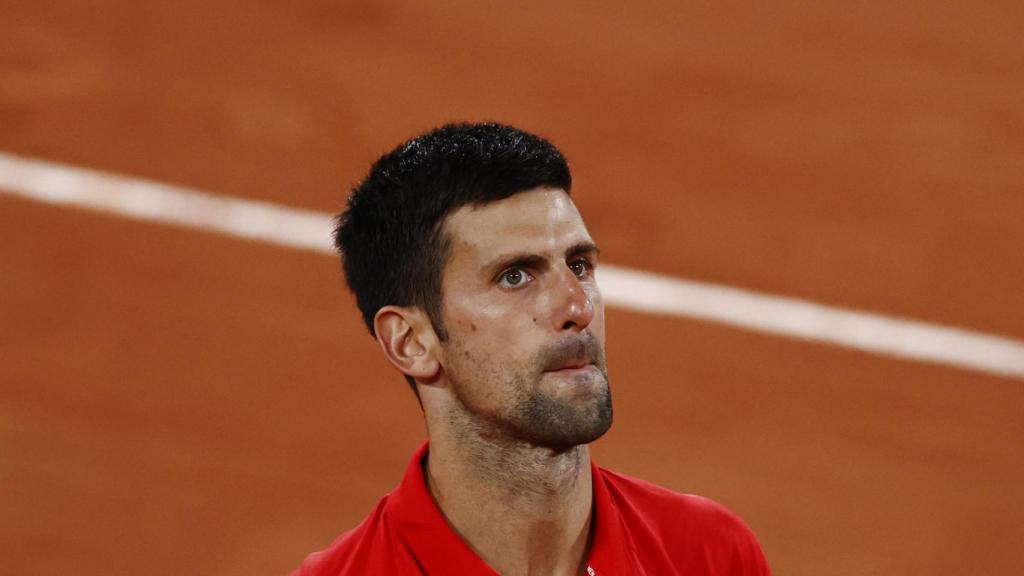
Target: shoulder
369 547
683 526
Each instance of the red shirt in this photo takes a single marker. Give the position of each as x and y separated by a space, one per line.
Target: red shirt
641 529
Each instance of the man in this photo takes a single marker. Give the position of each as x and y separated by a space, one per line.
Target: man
474 271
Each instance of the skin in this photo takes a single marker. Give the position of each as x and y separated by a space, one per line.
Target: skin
519 388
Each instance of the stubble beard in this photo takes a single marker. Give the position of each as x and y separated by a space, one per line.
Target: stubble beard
535 415
548 422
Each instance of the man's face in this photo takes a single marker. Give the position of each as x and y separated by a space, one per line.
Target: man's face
525 321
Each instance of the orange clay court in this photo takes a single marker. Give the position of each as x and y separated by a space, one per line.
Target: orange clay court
174 401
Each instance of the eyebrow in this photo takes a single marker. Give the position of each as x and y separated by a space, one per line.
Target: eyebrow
583 247
527 260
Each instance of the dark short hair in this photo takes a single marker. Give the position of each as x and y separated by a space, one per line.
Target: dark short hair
390 234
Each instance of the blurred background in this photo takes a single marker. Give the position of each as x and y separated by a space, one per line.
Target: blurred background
179 402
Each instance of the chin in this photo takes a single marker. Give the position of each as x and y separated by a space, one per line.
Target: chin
560 426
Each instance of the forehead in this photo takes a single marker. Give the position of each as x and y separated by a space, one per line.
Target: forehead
537 221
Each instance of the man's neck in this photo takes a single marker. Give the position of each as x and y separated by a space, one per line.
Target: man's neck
524 510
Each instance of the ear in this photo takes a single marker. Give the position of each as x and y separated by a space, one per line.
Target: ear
407 338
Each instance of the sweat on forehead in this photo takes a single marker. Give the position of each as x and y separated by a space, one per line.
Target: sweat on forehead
534 217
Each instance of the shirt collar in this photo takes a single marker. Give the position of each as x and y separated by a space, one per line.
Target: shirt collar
424 531
613 551
439 550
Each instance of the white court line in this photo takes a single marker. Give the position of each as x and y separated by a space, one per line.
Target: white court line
629 289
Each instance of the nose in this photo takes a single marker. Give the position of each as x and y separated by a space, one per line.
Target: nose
575 308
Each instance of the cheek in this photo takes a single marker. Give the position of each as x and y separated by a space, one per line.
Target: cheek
485 373
488 321
492 347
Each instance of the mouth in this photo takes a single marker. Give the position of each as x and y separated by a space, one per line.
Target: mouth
572 367
575 356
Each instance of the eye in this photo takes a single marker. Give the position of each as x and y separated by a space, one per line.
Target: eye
514 277
581 268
